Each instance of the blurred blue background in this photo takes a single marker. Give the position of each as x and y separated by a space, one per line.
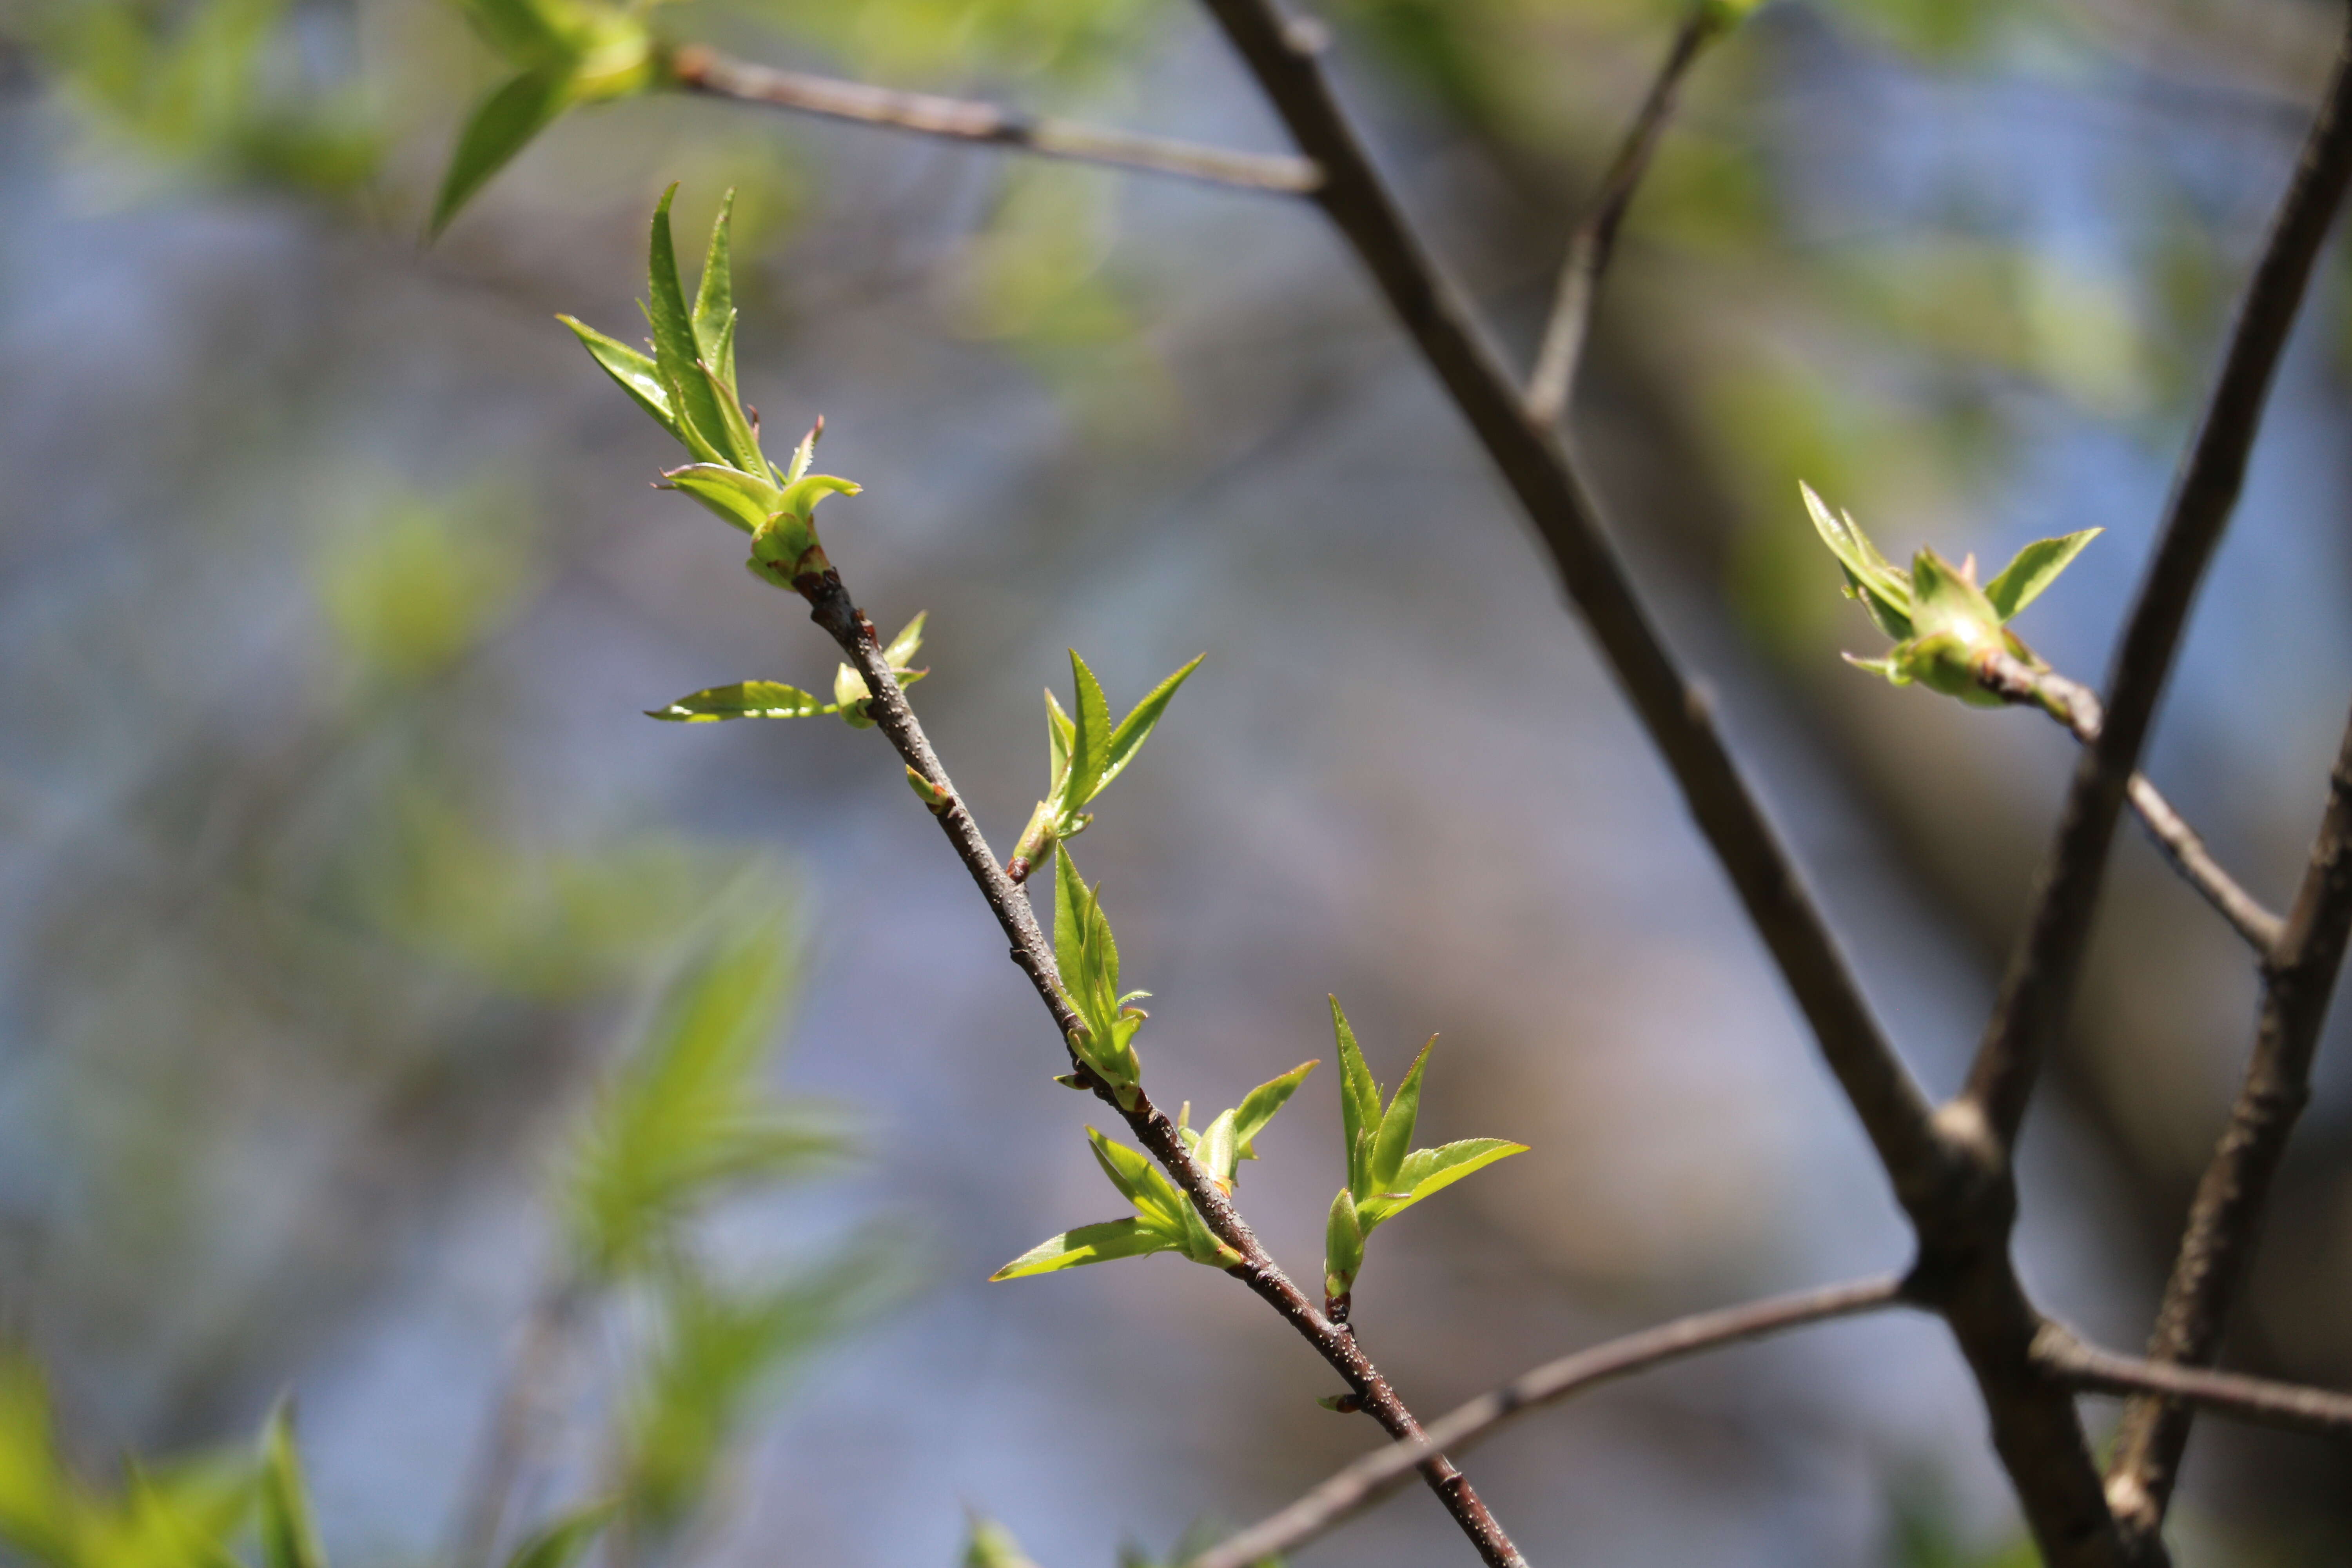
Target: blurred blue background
337 859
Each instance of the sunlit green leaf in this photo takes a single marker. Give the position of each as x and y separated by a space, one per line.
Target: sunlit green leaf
1087 1244
633 371
1136 728
1395 1134
1343 1245
903 648
678 355
744 700
1090 741
2034 568
744 500
1426 1171
1359 1103
714 300
992 1546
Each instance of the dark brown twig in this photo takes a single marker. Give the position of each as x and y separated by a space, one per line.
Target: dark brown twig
2225 1219
2040 985
830 607
2087 1367
2076 707
1595 237
1951 1178
703 70
1378 1473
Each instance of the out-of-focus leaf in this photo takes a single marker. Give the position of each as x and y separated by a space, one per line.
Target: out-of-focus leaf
687 1114
2032 569
744 700
721 1349
290 1533
991 1545
1088 1243
501 125
37 1495
425 580
565 1539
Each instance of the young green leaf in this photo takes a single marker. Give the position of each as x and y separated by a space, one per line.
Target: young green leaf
521 30
2032 569
1359 1103
1218 1150
633 371
1395 1135
1257 1107
1139 1180
678 355
741 437
1343 1245
1136 728
1200 1244
290 1533
1087 1244
565 1539
500 127
849 694
1059 732
1070 897
744 700
1426 1171
714 300
1089 742
903 648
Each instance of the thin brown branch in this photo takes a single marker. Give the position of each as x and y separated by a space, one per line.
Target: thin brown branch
703 70
2098 1371
2225 1219
2076 707
2040 985
831 609
1378 1473
1595 236
1951 1177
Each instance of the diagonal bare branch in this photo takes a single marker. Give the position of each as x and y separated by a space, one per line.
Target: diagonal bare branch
2077 705
830 607
1378 1473
1595 239
2040 985
2225 1219
1951 1177
704 71
2260 1399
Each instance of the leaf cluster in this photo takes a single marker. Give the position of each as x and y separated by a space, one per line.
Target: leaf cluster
688 386
1944 624
1385 1174
1164 1219
1083 755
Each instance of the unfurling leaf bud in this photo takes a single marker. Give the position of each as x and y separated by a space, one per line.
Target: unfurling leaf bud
1343 1245
938 799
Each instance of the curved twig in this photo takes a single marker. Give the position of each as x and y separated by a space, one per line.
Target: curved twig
704 71
2076 707
1378 1473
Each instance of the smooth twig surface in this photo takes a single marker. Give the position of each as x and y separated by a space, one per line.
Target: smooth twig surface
1378 1473
2076 707
2225 1219
2258 1399
2040 984
1595 236
703 70
830 607
1951 1178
